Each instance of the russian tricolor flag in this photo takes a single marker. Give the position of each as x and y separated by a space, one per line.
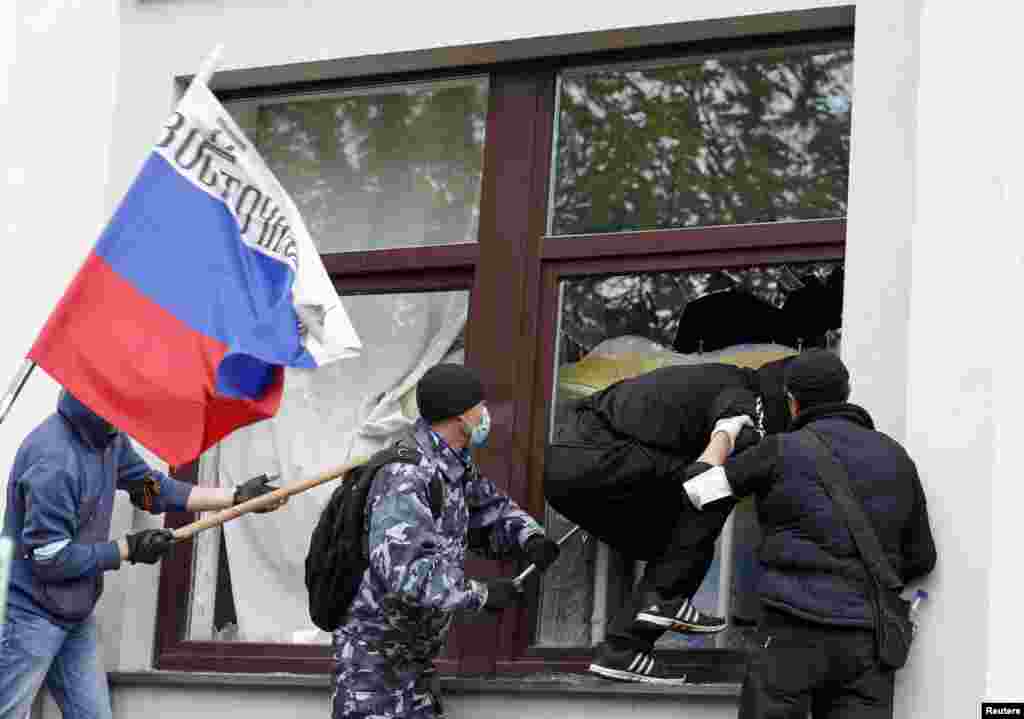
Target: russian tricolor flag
202 288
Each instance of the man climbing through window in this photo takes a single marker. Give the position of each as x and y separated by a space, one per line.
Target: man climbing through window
615 468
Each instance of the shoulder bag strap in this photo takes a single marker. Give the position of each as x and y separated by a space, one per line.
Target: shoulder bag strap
835 480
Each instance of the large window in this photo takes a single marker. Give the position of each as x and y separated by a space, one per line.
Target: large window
731 139
248 583
612 327
380 167
557 225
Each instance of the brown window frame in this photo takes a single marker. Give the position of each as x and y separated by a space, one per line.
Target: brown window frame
512 272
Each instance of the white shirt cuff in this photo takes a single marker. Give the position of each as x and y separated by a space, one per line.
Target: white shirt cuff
708 486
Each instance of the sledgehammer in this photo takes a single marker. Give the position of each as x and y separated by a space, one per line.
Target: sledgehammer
518 581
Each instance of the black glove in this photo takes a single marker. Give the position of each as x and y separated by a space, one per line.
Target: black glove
149 546
733 402
541 551
253 488
502 594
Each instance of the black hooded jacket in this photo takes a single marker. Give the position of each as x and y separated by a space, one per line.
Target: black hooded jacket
619 455
668 408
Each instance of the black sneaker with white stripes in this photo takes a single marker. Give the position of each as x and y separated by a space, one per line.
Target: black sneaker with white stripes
629 665
680 616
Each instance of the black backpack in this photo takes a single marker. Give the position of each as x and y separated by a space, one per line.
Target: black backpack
338 550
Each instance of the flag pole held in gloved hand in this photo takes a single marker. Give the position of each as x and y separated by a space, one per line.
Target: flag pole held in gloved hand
264 501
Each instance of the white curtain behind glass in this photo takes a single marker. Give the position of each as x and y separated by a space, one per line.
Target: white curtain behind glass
344 410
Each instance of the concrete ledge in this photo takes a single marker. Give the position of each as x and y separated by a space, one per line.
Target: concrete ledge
156 678
578 684
536 684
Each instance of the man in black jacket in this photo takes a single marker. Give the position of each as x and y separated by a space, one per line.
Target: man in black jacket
818 650
620 456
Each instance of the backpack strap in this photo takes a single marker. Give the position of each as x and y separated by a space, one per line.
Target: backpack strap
437 495
404 451
436 491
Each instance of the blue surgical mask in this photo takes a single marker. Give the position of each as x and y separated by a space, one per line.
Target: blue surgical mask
478 434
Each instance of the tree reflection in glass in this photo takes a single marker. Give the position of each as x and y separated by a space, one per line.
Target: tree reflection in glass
396 166
760 137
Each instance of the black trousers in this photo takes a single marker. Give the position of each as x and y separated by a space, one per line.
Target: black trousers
629 495
676 574
829 671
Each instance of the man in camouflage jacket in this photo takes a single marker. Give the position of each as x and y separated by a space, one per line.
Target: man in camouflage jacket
399 620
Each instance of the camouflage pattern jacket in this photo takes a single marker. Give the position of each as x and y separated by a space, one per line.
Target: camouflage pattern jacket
416 580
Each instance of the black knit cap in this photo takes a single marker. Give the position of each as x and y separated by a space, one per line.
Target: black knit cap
447 390
818 376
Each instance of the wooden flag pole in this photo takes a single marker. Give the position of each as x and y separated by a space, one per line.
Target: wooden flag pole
267 500
209 65
14 389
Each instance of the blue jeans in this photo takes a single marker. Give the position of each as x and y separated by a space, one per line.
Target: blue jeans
33 652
